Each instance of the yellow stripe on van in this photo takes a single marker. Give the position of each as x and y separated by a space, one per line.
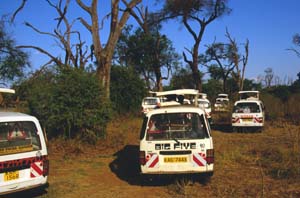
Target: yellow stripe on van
16 149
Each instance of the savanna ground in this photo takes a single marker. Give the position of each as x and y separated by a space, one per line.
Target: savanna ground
263 164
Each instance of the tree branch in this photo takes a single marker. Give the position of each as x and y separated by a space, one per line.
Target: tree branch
189 28
186 60
18 10
56 60
83 6
38 31
295 51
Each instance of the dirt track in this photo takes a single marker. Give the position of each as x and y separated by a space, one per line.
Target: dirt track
239 171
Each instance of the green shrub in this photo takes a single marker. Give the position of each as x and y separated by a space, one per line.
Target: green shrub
127 90
68 102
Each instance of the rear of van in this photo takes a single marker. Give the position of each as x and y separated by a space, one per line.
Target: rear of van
248 114
176 140
24 160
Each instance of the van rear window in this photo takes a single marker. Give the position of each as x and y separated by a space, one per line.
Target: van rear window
246 108
176 126
18 137
149 101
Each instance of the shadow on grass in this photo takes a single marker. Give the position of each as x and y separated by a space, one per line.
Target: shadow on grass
35 192
127 167
225 128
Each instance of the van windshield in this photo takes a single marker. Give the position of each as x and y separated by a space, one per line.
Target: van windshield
18 137
176 126
249 107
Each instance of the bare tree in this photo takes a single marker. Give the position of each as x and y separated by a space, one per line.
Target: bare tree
269 77
76 52
195 15
238 74
219 53
104 54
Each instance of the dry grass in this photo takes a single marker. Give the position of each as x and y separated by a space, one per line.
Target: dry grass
263 164
258 164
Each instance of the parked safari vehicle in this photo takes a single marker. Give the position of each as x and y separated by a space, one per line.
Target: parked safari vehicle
248 112
176 138
23 153
204 104
149 103
222 103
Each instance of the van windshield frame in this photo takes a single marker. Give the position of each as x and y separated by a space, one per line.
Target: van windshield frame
179 126
18 137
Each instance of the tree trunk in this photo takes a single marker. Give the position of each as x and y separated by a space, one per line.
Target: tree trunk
158 76
103 72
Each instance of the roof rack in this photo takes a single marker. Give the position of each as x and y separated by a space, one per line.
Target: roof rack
249 95
203 95
177 97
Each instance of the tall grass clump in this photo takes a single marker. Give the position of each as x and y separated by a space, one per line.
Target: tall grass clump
282 159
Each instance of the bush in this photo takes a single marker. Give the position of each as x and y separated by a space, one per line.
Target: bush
274 106
68 102
127 90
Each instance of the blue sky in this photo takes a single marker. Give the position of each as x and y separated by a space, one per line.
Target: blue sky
268 24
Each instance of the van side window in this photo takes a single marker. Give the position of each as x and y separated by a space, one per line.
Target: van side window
18 137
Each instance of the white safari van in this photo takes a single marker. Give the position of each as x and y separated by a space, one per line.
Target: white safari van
204 104
176 138
222 102
23 154
248 112
149 103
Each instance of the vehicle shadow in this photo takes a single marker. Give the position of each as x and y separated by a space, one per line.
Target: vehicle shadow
126 167
225 128
36 192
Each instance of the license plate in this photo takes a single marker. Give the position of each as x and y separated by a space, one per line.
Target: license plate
8 176
247 119
175 159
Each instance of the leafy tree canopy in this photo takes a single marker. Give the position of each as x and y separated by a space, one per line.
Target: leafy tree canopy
127 90
13 61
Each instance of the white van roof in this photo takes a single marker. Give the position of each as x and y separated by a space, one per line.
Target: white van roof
15 116
249 95
177 92
222 95
6 90
176 109
174 97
